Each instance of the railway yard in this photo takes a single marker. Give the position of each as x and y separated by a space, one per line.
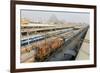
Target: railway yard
51 43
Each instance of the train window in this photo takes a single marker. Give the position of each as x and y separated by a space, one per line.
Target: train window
31 41
23 44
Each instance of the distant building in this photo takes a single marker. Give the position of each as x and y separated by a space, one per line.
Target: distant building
53 20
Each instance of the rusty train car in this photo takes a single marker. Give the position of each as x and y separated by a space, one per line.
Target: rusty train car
48 46
44 47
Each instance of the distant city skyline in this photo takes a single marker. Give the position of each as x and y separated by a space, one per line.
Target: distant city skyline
44 16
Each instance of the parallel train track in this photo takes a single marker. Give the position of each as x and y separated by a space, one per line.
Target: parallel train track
64 34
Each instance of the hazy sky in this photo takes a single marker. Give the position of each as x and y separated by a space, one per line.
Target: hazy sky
44 16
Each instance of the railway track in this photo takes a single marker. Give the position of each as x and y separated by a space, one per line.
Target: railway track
67 35
70 50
